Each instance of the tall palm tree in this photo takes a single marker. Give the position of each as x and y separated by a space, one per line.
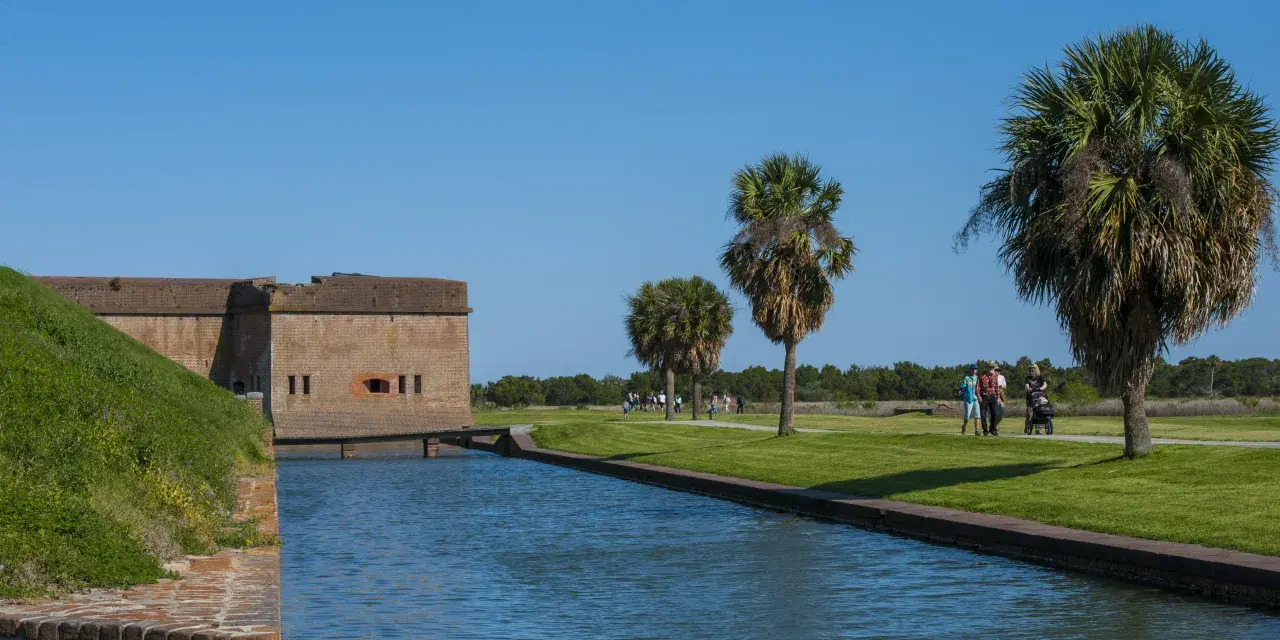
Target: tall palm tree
1135 202
785 254
703 321
679 325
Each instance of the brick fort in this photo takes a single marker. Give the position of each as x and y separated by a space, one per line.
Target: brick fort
346 355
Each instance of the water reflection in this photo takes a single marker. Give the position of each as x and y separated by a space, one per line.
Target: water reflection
471 545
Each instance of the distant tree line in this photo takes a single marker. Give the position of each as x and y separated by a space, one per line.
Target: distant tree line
1192 377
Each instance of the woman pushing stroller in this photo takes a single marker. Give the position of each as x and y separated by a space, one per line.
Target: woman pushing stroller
1039 409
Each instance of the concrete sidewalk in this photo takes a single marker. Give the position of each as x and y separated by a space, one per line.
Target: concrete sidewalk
1066 438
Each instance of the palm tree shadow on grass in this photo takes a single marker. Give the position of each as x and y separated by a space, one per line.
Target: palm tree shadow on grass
925 479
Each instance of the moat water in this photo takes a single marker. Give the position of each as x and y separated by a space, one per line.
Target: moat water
472 545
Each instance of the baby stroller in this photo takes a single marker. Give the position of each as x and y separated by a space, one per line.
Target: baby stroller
1039 412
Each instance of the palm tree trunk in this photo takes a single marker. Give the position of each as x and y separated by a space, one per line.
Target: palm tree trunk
1137 434
786 422
697 396
671 392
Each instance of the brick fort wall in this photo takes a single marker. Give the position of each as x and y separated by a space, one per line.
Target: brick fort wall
332 335
347 368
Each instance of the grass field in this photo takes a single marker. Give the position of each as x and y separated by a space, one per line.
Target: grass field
1217 496
1247 427
112 458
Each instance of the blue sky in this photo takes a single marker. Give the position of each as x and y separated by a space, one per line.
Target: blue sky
554 155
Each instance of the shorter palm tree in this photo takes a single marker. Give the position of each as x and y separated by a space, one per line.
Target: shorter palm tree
703 321
679 325
786 253
651 329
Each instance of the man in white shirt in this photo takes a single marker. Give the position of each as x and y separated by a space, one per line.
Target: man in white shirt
662 400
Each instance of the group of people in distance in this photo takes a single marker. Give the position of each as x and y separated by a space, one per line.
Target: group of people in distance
632 401
725 401
984 396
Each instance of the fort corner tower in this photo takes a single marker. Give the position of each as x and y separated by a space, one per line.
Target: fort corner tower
345 355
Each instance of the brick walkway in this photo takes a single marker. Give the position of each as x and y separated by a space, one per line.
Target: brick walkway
234 594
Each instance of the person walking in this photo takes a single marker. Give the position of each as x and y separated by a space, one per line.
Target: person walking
969 396
726 402
992 408
679 401
741 402
714 402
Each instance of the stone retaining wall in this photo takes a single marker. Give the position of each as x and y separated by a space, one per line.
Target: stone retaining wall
1234 576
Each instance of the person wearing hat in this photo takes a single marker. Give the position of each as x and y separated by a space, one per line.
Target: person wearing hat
991 396
969 396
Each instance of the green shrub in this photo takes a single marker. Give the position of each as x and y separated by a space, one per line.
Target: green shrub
112 457
1076 392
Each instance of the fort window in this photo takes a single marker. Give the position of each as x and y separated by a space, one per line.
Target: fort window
237 387
417 384
292 385
306 385
401 385
375 385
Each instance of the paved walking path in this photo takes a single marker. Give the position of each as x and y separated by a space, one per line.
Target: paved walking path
734 425
1066 438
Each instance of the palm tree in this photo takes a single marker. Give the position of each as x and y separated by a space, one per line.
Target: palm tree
703 321
651 331
679 325
785 254
1135 202
1214 363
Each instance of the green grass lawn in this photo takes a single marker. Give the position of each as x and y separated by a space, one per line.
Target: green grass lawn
112 458
1216 496
1255 427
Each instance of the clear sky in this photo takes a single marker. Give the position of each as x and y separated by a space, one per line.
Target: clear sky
553 155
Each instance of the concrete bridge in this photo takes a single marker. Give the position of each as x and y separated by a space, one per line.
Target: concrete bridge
430 439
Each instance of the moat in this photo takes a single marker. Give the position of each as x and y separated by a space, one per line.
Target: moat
473 545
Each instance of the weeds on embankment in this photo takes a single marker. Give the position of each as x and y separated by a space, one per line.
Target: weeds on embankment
112 458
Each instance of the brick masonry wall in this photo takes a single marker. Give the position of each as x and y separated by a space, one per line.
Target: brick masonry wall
340 351
250 335
159 295
191 341
370 294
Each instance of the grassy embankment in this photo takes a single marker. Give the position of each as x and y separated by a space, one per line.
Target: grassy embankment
112 458
1216 496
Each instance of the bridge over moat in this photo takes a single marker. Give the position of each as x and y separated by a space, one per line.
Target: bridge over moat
430 439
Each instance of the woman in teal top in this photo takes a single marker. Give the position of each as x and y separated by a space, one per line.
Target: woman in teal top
969 394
